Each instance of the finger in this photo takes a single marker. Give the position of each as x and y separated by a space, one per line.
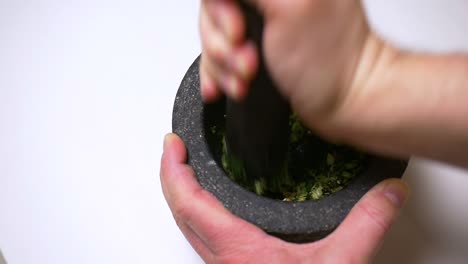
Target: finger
172 162
166 162
226 80
172 155
192 205
229 19
214 43
244 61
232 80
216 54
227 60
242 65
362 232
208 86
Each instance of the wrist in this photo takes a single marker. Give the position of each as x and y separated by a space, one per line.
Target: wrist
362 75
403 103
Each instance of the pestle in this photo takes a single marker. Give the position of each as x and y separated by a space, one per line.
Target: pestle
257 127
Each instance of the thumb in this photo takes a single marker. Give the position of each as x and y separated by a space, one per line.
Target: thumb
361 233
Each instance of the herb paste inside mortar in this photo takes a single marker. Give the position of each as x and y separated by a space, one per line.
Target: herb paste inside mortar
313 168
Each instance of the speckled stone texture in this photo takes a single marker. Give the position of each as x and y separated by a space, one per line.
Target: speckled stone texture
292 221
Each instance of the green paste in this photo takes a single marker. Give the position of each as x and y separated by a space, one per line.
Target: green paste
313 168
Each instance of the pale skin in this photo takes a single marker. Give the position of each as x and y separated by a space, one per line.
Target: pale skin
347 84
342 79
220 237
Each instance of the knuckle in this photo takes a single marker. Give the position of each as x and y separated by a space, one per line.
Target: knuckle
181 211
206 63
214 51
376 215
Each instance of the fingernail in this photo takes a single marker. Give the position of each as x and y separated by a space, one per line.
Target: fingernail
239 65
230 84
167 140
205 88
397 192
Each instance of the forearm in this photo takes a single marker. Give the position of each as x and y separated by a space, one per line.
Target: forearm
409 104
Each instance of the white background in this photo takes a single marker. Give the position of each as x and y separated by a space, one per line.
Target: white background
86 94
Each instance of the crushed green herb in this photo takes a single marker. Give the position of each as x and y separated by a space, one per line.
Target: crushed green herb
314 168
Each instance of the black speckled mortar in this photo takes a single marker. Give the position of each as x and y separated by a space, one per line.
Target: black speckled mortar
292 221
